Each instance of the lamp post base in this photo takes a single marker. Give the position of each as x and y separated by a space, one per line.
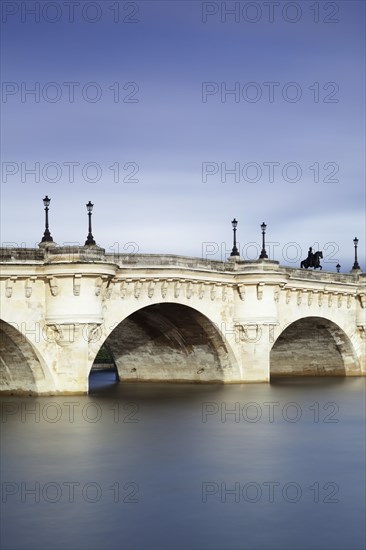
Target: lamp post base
47 244
232 258
90 241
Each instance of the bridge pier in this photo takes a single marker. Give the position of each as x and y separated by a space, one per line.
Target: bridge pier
253 353
256 315
67 352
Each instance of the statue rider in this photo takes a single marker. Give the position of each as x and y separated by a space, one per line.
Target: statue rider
311 257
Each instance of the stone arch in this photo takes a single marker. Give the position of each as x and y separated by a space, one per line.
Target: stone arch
173 342
313 346
22 370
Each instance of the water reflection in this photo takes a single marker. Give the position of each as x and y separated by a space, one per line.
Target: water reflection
101 380
184 466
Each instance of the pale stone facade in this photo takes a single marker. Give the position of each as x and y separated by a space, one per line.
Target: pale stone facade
172 318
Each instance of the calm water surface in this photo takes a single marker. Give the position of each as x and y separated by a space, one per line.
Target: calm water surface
153 466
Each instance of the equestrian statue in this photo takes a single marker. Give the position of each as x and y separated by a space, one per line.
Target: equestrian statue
313 260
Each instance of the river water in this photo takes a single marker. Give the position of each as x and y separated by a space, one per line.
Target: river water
184 466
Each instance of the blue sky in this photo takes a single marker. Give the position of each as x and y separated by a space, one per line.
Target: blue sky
172 124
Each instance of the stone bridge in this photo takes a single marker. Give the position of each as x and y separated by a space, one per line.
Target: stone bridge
172 318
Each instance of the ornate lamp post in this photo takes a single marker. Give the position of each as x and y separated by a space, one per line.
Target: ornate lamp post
356 264
46 235
338 268
235 251
263 253
90 239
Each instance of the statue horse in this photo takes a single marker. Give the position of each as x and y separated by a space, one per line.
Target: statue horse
313 261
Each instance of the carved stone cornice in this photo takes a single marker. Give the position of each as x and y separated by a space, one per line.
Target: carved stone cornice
260 291
53 283
164 288
28 286
77 284
9 286
241 290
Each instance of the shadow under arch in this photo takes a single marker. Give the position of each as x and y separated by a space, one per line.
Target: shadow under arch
169 342
22 371
313 346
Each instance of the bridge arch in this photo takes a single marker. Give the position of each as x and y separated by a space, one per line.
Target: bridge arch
168 341
22 369
313 346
